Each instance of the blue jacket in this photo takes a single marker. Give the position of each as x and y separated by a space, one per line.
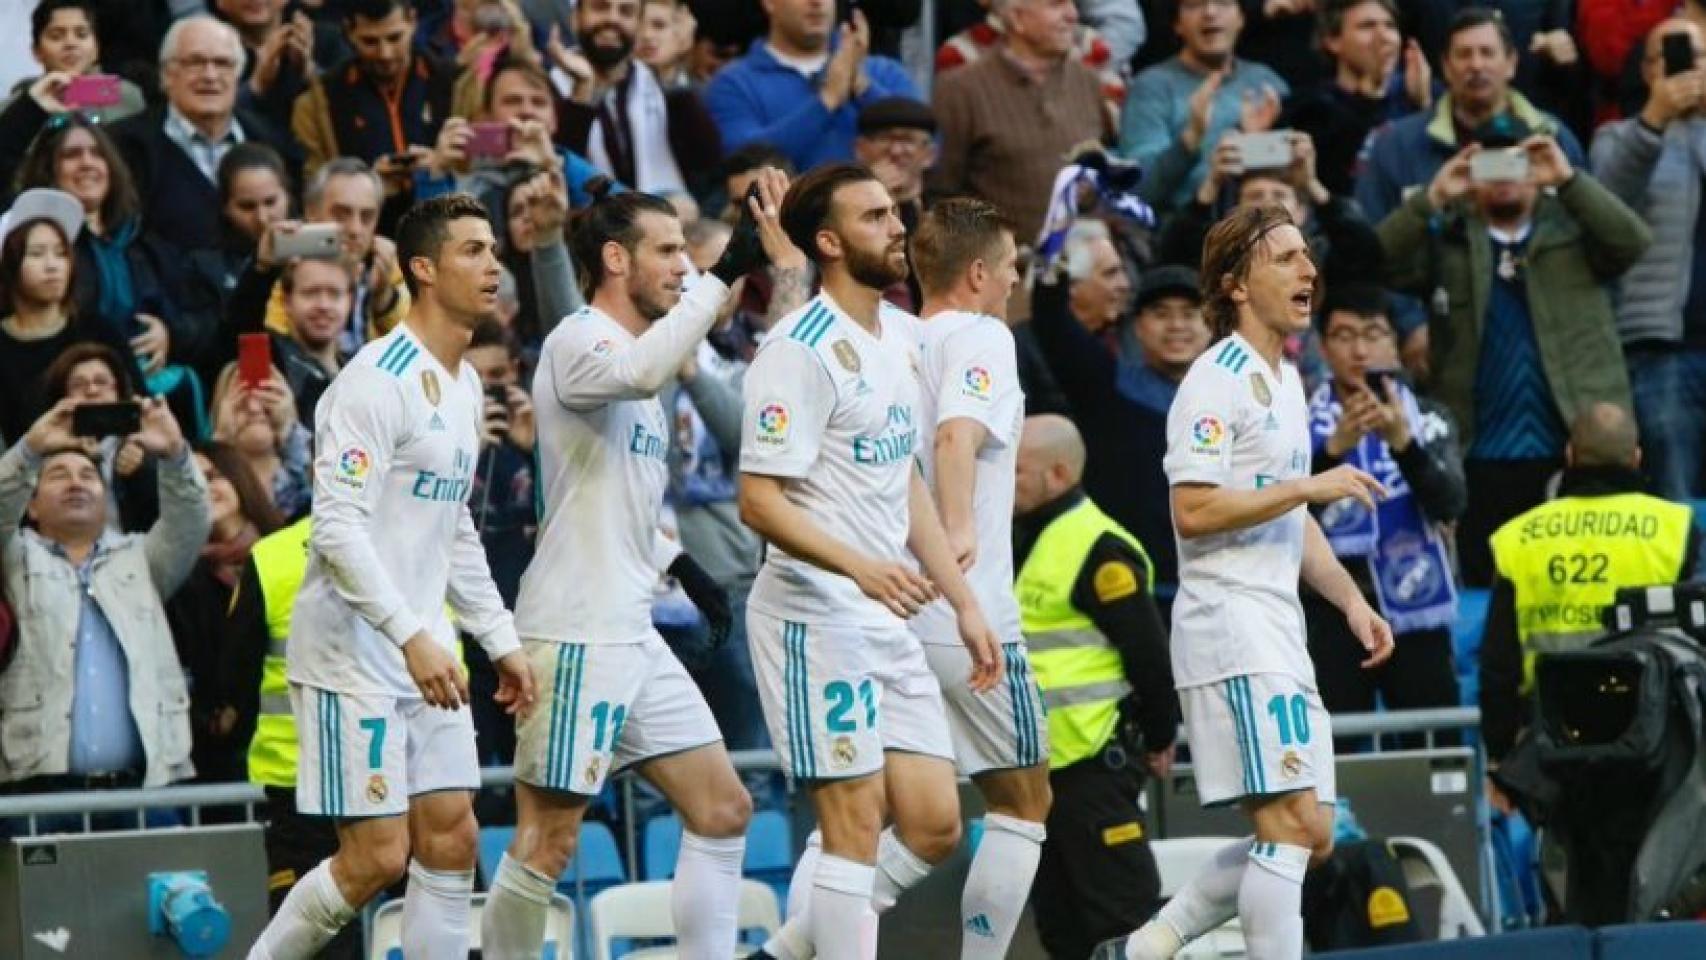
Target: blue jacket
760 99
1409 152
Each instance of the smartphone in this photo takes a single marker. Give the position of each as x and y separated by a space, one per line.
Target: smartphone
491 140
403 159
254 358
1264 151
1678 53
92 90
491 18
1377 381
1501 165
311 241
106 419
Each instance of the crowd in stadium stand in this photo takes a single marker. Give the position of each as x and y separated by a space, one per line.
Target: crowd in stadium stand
1504 201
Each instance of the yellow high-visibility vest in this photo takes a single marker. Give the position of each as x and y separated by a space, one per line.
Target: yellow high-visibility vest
1568 558
1080 673
281 561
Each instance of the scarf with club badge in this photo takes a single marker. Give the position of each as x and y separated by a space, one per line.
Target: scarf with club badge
1411 570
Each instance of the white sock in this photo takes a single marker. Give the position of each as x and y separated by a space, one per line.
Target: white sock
841 894
1207 901
793 941
705 900
512 927
435 913
310 916
898 870
998 885
1270 901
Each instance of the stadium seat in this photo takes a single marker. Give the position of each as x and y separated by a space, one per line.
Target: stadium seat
770 851
385 931
1552 943
1178 859
1425 866
1466 642
660 842
493 842
641 911
1648 941
597 863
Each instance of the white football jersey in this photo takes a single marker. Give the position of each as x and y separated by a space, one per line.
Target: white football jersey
833 410
1239 424
603 449
969 369
396 437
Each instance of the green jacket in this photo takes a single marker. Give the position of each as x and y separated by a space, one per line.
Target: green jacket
1584 237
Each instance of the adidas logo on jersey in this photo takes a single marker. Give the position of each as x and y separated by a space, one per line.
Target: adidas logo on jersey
436 423
981 926
1272 422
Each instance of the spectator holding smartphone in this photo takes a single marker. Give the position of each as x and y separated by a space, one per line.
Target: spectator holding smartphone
1366 416
90 372
1519 253
259 421
1656 163
384 104
95 697
64 40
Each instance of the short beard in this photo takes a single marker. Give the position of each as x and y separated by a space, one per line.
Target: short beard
604 58
1506 212
652 309
876 271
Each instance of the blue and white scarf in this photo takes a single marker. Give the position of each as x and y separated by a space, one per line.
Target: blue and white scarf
1413 587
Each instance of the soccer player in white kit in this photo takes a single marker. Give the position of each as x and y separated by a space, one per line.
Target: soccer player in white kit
1238 461
972 412
613 694
829 479
386 737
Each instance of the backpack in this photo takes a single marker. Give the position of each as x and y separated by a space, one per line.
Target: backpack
1358 898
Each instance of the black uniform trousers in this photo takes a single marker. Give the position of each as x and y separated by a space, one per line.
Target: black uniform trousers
296 844
1097 877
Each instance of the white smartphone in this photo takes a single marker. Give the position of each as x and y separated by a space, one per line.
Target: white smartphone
1501 165
311 241
1264 151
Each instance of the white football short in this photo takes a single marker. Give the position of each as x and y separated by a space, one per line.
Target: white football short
365 755
1256 735
1003 728
603 707
836 697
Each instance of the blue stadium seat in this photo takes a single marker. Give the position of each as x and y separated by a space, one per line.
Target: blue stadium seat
659 844
493 842
1552 943
1466 642
597 862
1650 941
770 851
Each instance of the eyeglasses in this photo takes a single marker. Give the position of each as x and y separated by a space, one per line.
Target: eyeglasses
197 64
1370 336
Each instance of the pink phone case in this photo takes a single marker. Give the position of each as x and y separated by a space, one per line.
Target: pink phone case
91 90
489 140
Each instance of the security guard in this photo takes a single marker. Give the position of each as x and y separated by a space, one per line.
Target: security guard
1099 652
259 625
1561 563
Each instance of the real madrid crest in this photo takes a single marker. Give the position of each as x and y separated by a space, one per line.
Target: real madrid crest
376 789
429 383
1260 387
592 767
846 355
842 753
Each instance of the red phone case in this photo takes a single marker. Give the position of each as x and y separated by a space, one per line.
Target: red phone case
489 140
254 358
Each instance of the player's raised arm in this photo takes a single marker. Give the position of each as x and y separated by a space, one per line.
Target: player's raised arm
355 439
588 370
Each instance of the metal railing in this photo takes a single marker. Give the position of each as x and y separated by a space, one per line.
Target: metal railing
194 799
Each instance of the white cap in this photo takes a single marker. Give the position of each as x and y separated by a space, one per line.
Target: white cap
45 203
